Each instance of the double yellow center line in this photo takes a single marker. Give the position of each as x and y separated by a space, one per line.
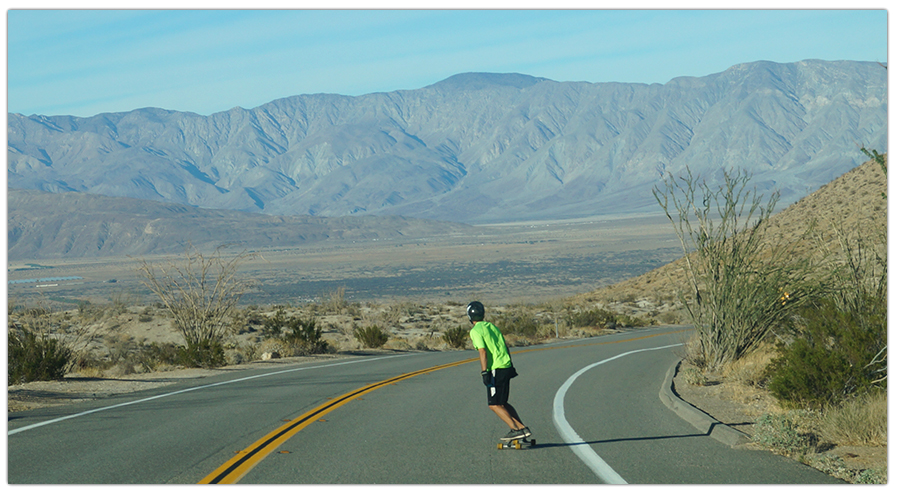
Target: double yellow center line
233 470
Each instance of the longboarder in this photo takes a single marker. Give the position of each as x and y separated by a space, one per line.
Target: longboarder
496 370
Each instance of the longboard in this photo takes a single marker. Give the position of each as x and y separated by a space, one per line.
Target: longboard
517 444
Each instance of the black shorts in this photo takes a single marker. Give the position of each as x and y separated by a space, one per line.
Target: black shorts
498 394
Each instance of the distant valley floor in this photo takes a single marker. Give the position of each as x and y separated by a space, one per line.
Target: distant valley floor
507 263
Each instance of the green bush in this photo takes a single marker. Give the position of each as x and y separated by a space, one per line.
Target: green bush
517 323
626 321
35 357
456 337
275 324
371 336
41 345
206 353
152 356
305 336
600 318
809 373
872 476
302 336
830 357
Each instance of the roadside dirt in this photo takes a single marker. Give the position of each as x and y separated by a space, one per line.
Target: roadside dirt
739 406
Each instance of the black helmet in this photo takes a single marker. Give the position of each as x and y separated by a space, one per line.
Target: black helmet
475 311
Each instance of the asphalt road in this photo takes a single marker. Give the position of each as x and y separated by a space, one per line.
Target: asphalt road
420 418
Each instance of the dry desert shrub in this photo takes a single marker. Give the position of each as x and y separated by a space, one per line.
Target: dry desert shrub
271 345
341 325
441 323
670 318
514 340
343 341
559 328
335 302
429 342
389 317
397 344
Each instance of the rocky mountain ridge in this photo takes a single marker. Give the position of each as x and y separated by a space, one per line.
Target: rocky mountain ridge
472 148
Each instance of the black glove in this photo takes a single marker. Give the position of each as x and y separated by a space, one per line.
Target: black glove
487 378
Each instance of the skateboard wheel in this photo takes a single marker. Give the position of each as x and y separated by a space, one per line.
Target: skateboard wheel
499 446
518 445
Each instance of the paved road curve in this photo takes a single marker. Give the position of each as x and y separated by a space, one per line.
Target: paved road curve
413 424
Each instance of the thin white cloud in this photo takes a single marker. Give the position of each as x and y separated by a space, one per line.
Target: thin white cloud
86 62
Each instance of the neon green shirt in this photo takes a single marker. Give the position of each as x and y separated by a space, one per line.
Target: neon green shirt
488 337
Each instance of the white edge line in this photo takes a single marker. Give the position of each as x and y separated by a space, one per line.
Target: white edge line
582 449
269 374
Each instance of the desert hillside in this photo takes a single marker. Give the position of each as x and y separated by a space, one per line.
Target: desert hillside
854 199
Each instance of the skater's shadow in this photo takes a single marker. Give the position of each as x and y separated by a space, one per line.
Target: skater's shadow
618 440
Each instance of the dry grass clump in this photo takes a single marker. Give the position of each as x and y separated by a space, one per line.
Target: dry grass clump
694 376
690 352
859 421
750 370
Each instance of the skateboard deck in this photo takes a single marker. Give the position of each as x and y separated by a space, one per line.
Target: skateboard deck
517 444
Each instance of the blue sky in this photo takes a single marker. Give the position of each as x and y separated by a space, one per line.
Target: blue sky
87 62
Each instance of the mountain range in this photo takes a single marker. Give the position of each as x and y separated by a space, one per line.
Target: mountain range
473 148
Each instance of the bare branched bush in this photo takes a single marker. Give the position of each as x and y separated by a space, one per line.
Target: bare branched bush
201 293
739 285
334 301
